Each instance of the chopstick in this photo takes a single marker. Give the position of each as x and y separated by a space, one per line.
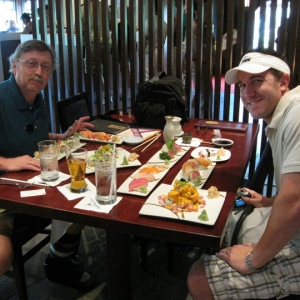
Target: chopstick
146 141
152 135
151 142
206 143
23 181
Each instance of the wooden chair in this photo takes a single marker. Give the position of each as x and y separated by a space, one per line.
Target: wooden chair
26 228
71 109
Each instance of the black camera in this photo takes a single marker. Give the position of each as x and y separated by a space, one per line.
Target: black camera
242 193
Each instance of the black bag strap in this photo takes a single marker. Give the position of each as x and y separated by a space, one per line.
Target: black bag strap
247 211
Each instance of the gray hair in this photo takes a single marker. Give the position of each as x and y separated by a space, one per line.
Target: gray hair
31 45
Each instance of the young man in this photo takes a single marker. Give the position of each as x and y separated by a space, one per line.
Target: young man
270 268
24 122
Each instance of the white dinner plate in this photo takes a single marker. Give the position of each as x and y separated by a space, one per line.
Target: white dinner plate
119 161
205 173
213 207
124 188
213 157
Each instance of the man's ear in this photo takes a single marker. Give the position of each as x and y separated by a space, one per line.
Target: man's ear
285 81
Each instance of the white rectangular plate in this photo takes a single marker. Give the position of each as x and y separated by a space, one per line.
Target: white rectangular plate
212 207
205 173
124 188
155 158
121 153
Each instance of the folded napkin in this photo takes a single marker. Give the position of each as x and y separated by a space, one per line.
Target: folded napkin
89 203
217 133
61 177
65 190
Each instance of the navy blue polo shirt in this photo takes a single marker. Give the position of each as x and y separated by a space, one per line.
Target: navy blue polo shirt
22 126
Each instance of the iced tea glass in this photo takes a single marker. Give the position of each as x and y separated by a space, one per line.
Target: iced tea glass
76 159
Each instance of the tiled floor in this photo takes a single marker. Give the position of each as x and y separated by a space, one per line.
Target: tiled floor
156 283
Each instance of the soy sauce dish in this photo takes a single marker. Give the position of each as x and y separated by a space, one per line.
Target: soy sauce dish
225 143
133 140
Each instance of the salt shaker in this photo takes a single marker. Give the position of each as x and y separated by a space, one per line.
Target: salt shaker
168 132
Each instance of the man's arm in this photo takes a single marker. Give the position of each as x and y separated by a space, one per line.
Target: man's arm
283 223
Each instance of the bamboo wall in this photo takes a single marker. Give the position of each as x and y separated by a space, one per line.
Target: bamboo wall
94 56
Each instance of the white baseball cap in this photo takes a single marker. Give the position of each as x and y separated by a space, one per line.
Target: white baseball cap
255 63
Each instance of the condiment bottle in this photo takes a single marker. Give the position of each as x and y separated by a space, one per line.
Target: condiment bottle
168 132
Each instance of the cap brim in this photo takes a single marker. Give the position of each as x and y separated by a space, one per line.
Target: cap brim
232 75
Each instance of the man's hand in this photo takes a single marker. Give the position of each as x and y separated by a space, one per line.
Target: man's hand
235 256
79 125
257 200
20 163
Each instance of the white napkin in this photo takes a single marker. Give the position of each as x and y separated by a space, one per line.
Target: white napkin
61 177
217 134
65 190
88 203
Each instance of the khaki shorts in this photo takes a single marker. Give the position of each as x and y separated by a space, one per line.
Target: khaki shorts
279 278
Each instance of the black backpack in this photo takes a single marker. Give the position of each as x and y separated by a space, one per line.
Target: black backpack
160 96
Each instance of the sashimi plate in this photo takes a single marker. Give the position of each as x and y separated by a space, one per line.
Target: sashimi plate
213 207
205 173
124 188
156 159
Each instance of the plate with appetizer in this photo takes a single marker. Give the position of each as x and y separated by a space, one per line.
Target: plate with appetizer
124 159
196 171
100 137
170 152
214 154
182 201
144 180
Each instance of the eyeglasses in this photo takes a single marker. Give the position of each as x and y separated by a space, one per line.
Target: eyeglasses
30 64
201 130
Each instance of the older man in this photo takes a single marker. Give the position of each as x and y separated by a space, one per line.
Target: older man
270 267
24 122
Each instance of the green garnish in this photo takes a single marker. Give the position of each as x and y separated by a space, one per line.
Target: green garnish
203 216
170 144
164 156
143 189
125 161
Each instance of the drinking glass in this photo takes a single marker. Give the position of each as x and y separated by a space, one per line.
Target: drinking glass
48 160
106 182
76 159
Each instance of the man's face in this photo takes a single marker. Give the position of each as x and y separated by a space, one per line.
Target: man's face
261 93
32 73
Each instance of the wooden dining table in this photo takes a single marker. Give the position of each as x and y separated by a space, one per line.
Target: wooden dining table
124 220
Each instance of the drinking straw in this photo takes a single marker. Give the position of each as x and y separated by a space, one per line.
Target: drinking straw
113 172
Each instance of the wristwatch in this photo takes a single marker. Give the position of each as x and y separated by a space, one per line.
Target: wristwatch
249 264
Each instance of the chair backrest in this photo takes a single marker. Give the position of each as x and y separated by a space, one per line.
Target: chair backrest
71 109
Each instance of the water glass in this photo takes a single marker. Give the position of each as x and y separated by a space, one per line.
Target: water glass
76 159
48 160
106 182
